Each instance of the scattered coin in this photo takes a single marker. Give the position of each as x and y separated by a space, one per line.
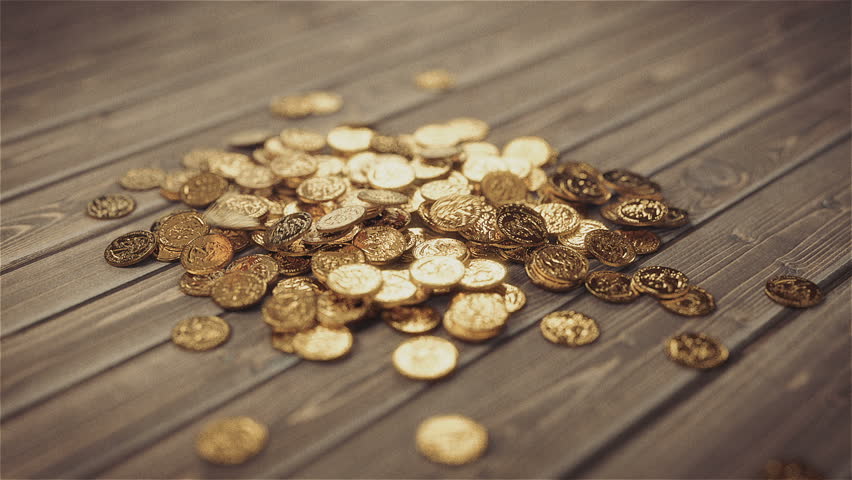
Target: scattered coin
792 291
130 248
569 328
695 302
142 178
660 282
610 286
451 439
321 343
425 358
231 441
111 205
237 290
696 350
201 333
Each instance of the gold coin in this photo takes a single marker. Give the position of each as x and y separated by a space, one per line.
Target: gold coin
675 217
438 79
231 441
240 239
130 248
521 224
425 358
437 272
228 164
454 212
469 129
610 248
478 312
207 254
438 189
355 280
203 189
264 266
142 178
792 291
476 166
248 138
283 342
293 165
695 302
287 230
198 285
341 218
413 319
611 286
324 103
397 288
483 274
390 175
436 135
237 290
560 219
334 310
256 177
322 343
181 228
380 244
291 106
441 247
484 228
535 149
577 239
302 139
167 254
349 140
385 198
290 313
111 205
201 333
321 189
696 350
290 265
628 183
556 267
503 187
569 328
296 285
643 241
323 263
641 212
451 439
660 282
173 181
514 297
198 159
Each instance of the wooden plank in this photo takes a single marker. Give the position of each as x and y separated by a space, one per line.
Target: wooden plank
308 386
65 81
250 90
322 410
33 374
796 407
548 408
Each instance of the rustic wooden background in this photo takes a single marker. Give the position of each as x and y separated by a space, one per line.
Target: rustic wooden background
740 110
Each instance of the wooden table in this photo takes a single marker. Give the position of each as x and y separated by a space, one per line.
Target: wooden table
740 110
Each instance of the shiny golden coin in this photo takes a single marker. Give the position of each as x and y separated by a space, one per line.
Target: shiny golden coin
483 274
535 149
451 439
503 187
231 441
198 159
556 267
256 177
142 178
660 282
238 290
514 297
321 189
437 272
478 312
322 343
385 198
201 333
484 229
438 79
536 180
324 103
695 302
569 328
207 254
792 291
264 266
323 263
577 239
438 189
454 212
631 184
334 310
302 139
355 280
611 286
249 138
610 248
293 165
290 313
198 285
240 239
696 350
167 254
436 135
380 244
341 218
111 205
643 241
283 342
173 181
293 106
484 148
349 140
414 319
289 265
130 248
229 164
641 212
178 230
296 285
287 230
425 358
559 218
521 224
390 175
203 189
477 166
441 247
397 289
469 129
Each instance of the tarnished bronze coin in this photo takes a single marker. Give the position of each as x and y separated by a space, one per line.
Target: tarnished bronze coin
451 439
660 282
521 224
611 286
696 350
203 189
207 254
111 205
569 328
425 358
643 241
231 441
287 230
198 285
695 302
238 290
201 333
130 248
792 291
610 248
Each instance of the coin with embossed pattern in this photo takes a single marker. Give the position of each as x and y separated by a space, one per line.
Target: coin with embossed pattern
792 291
111 205
201 333
696 350
130 248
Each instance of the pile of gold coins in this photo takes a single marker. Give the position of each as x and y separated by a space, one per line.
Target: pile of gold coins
355 224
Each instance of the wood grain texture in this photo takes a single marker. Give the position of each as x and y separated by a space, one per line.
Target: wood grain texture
738 110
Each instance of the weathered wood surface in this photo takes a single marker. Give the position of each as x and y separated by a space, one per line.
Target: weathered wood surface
741 112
